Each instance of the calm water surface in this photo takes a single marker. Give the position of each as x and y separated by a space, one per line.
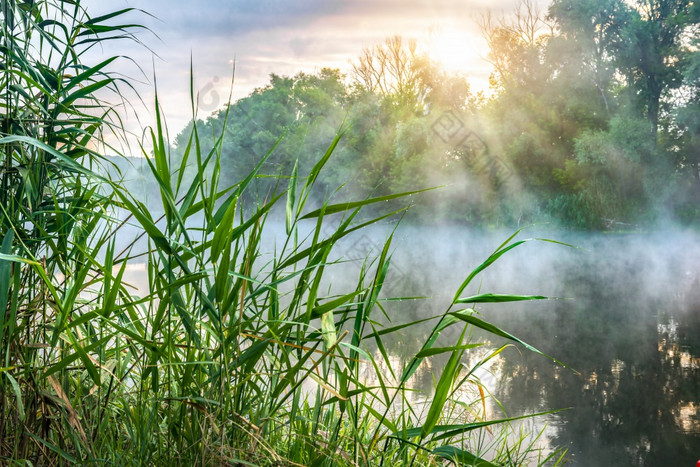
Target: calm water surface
628 322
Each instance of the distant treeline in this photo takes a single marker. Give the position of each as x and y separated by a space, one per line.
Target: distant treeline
594 122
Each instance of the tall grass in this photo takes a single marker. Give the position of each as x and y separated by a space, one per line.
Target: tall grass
236 353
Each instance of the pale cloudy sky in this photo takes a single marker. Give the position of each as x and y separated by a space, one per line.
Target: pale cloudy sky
283 37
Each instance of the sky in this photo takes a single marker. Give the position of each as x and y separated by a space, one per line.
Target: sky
282 37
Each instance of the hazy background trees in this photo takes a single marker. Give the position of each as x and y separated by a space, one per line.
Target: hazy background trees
594 121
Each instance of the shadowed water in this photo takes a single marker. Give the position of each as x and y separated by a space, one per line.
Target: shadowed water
628 322
626 319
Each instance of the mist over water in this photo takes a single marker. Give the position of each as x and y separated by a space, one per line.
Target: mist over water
626 320
624 314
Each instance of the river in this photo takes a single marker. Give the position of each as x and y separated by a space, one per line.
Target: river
624 316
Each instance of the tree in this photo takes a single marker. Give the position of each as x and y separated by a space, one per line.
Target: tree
406 77
590 34
392 69
654 55
294 117
516 46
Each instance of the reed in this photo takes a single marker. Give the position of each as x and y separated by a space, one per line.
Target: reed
235 353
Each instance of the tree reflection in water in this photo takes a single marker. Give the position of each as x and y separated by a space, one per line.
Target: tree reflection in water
631 330
634 339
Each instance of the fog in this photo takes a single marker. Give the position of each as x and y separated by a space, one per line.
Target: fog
623 315
588 137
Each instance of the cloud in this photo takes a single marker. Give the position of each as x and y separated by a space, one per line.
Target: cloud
215 18
272 36
301 45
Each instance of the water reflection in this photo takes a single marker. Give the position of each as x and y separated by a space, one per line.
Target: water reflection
630 326
632 331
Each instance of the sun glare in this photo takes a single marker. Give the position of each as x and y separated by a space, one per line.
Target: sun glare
458 51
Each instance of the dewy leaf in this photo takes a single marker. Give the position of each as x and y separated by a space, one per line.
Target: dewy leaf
441 432
441 392
498 298
468 316
461 457
328 329
440 350
291 198
334 208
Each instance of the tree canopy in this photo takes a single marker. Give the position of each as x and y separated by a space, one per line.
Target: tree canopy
593 122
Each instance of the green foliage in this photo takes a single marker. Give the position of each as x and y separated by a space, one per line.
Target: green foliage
583 119
584 109
236 350
297 116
